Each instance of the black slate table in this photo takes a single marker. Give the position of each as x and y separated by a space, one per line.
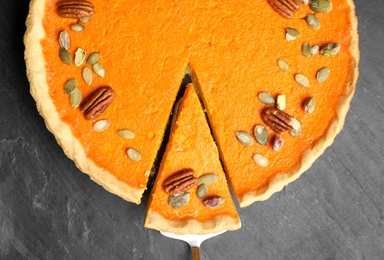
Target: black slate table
50 210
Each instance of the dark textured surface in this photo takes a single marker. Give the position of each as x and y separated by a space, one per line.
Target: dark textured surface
49 210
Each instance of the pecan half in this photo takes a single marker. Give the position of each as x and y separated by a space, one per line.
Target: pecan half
75 8
286 8
97 102
277 120
180 182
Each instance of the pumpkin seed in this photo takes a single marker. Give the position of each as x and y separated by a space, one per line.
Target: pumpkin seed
93 58
244 138
70 86
322 74
99 69
297 129
202 191
277 143
321 6
261 134
77 27
309 106
64 40
313 21
87 75
133 154
306 49
179 200
281 102
315 49
292 34
213 202
79 56
65 57
283 65
304 2
101 125
85 19
302 80
127 134
207 179
260 160
266 98
75 98
330 49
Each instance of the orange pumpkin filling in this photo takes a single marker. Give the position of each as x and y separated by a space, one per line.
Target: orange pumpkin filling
232 49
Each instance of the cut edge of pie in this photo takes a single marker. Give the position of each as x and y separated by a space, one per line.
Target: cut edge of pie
36 73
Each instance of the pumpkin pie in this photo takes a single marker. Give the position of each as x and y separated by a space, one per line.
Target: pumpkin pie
191 195
275 78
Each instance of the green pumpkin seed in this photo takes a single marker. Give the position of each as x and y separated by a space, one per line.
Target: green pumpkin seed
202 191
283 65
87 75
77 27
315 49
85 19
277 143
260 160
266 98
93 58
64 40
302 80
101 125
306 49
322 74
297 129
65 57
207 179
309 106
99 69
281 102
330 49
321 6
79 56
70 86
75 98
133 154
127 134
261 134
292 34
244 138
313 21
179 200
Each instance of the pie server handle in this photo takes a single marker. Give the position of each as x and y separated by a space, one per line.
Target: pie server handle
195 253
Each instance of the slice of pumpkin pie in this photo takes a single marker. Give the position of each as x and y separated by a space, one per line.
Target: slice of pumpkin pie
191 195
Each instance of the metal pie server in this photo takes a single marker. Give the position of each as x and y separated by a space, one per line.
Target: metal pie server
194 241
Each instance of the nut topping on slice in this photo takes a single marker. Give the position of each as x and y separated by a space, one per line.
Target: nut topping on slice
180 182
286 8
75 9
277 120
97 102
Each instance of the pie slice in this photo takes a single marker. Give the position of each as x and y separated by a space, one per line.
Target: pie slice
191 195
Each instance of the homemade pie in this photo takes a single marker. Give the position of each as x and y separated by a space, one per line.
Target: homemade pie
275 78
